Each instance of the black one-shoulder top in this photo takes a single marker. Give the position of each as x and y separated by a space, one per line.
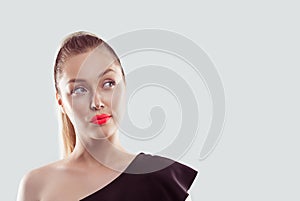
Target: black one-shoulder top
148 178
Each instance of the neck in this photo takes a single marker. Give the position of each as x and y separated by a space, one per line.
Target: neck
104 152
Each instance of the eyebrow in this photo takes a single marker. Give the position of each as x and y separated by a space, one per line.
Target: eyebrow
106 71
82 80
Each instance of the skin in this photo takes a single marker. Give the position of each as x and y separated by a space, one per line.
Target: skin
84 171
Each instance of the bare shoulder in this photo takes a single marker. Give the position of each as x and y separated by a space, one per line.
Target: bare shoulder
33 182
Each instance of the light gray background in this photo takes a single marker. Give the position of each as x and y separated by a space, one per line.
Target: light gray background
254 44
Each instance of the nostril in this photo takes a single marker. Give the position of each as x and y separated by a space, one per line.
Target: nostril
96 106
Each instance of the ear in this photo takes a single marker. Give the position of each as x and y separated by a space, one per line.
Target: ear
60 103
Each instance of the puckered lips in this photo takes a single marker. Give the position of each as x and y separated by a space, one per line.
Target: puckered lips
100 119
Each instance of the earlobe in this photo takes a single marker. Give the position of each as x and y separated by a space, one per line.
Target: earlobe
58 98
60 104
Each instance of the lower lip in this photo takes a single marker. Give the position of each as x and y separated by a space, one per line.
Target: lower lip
101 121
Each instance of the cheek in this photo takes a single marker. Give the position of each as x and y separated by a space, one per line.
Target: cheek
77 107
118 100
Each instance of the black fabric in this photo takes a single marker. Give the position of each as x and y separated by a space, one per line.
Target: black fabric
148 178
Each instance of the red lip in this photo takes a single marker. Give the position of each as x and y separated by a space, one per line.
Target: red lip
100 119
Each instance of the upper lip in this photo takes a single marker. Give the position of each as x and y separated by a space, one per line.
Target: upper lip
100 116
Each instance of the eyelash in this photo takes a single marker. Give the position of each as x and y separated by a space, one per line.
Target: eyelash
80 87
76 88
112 82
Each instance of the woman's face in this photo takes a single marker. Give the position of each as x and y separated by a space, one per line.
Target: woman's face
91 80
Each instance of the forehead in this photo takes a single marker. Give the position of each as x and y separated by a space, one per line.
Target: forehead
90 65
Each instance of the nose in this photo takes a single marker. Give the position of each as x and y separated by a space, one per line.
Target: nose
96 103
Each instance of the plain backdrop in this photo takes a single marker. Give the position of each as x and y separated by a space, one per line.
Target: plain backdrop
254 45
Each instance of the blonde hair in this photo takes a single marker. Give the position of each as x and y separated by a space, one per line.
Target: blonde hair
74 44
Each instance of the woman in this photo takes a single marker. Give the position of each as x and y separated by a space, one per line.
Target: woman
90 91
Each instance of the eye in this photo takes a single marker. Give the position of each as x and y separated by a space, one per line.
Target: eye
78 91
109 84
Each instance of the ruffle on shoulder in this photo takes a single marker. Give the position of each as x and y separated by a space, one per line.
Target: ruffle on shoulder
171 178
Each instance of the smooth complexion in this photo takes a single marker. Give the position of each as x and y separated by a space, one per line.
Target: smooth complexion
98 157
91 84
